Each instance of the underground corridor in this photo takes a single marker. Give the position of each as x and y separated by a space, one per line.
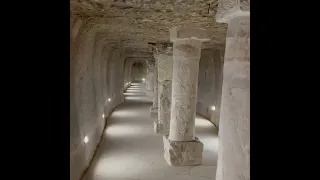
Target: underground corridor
159 90
130 148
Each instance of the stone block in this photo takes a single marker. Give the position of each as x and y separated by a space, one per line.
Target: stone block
228 9
183 153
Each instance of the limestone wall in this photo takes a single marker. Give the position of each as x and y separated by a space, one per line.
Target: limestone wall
127 73
96 74
209 84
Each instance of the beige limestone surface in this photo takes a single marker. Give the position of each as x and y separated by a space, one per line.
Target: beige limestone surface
131 150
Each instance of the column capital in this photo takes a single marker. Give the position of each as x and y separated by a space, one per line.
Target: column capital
179 33
239 26
228 9
187 50
151 65
208 45
162 49
238 39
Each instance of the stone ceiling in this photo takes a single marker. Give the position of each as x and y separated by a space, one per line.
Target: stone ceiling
135 23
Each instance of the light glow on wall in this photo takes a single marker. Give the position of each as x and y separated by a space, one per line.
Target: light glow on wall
213 108
109 99
86 139
103 116
143 79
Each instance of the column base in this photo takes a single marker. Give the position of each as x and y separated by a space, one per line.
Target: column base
183 153
154 112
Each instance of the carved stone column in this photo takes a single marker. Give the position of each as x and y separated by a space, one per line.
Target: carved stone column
154 108
149 79
234 124
181 147
165 63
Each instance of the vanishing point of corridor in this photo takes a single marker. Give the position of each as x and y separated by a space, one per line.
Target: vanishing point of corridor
131 150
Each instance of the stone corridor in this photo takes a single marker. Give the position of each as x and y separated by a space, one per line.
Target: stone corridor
160 89
131 150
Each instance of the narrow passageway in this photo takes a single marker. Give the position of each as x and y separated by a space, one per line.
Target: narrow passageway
131 150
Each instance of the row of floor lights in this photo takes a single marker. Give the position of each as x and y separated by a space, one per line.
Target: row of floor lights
86 138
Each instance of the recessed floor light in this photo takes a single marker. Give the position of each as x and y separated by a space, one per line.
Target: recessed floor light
86 139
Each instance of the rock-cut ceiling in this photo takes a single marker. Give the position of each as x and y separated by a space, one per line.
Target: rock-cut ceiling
135 23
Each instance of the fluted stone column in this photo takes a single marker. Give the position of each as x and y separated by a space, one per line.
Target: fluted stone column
234 124
149 79
181 147
154 108
165 63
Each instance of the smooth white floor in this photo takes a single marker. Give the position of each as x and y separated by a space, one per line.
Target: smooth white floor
131 150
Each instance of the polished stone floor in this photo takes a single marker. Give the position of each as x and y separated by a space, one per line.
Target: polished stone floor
131 150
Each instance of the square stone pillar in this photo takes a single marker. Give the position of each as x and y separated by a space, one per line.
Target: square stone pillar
234 124
154 108
181 147
149 79
165 63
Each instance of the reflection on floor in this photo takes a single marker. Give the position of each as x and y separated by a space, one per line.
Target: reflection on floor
131 150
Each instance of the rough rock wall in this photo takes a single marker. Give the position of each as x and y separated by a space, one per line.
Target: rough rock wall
206 83
209 84
215 115
116 77
89 89
127 72
114 58
138 22
119 76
